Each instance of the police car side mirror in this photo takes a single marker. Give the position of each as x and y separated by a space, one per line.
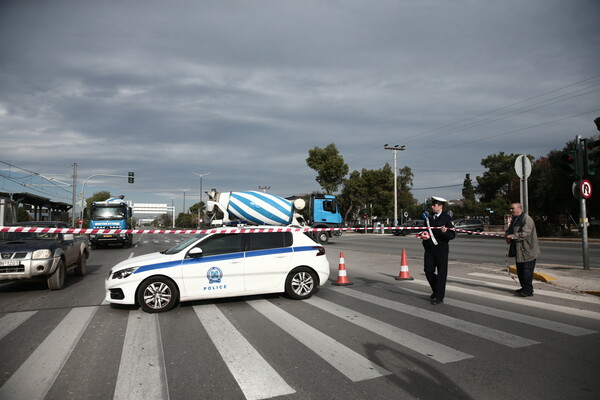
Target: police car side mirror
195 252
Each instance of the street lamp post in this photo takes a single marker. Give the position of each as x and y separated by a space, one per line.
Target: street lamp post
396 148
200 204
183 210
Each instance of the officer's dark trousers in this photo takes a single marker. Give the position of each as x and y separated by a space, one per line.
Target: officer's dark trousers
437 258
525 274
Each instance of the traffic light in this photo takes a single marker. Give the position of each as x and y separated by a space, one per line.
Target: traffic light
130 177
569 160
591 156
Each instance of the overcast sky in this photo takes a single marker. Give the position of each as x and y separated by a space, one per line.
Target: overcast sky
243 89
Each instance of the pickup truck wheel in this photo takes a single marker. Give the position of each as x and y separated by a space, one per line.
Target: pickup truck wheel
81 265
56 281
157 294
301 283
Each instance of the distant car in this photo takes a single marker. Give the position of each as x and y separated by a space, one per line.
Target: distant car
218 265
471 224
411 223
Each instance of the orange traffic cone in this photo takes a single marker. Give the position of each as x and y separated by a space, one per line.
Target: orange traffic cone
404 272
342 276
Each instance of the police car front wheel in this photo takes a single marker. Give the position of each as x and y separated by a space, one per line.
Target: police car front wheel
301 283
157 294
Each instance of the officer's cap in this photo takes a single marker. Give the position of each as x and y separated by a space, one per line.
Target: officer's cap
437 200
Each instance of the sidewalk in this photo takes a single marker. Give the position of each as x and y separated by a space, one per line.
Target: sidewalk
572 278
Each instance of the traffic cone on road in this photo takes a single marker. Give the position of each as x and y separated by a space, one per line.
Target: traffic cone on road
404 272
342 276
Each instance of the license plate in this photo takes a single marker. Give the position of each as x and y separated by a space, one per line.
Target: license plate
9 262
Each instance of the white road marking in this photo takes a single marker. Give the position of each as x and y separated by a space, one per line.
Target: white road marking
521 301
37 374
256 378
437 351
345 360
508 315
483 332
568 296
11 321
142 371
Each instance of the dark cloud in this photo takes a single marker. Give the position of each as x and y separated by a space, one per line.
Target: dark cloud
244 89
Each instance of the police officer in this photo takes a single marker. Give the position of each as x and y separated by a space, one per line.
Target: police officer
435 242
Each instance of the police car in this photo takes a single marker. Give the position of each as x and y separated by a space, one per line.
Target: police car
221 264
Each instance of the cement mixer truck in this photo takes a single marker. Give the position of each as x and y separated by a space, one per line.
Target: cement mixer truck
258 208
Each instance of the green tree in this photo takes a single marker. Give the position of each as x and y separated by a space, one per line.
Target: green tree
198 213
406 200
353 195
163 221
370 192
468 192
329 165
500 180
184 220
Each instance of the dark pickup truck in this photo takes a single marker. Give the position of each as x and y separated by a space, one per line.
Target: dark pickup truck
39 256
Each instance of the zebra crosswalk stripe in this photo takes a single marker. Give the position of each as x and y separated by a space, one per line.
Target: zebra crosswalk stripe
496 312
520 301
35 376
142 360
256 378
437 351
10 322
483 332
353 365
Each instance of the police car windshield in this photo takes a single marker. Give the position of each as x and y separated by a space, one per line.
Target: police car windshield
184 244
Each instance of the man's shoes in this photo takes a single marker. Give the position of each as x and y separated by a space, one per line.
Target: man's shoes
436 301
433 296
525 294
519 290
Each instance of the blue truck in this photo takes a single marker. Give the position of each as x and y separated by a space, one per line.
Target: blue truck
114 213
258 208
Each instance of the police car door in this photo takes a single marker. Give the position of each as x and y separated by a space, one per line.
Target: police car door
268 258
218 270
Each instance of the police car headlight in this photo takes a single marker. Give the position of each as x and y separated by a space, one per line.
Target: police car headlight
42 254
124 273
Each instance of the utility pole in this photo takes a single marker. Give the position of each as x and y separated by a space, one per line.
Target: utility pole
200 204
74 198
395 149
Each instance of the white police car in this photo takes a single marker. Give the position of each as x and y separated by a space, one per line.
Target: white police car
220 265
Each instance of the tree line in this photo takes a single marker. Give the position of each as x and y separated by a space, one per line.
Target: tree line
370 192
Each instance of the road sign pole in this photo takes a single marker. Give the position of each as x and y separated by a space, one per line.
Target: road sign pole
523 170
582 208
524 186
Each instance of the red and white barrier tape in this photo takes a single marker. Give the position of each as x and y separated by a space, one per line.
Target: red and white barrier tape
212 230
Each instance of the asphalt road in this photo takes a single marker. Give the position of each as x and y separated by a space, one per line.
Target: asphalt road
378 338
477 249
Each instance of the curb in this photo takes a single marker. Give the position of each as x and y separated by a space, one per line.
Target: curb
548 279
536 275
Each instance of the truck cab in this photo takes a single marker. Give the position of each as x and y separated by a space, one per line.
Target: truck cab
114 213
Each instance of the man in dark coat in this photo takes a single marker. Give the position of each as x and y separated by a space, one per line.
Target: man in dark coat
435 242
